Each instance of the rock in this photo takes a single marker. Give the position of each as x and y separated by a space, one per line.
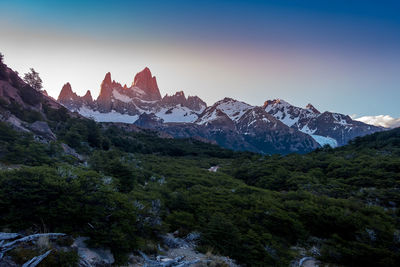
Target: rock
43 129
162 261
192 102
9 93
67 93
313 109
87 98
16 123
104 98
175 242
70 151
213 169
92 256
193 237
107 79
149 120
148 83
182 252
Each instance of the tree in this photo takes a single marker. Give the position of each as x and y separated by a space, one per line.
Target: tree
32 78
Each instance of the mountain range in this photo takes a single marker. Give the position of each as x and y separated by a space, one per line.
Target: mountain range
275 127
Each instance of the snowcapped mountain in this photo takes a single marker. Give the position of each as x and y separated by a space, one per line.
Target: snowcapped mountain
276 127
330 128
117 103
236 125
228 109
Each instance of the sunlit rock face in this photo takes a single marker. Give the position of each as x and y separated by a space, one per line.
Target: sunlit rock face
148 84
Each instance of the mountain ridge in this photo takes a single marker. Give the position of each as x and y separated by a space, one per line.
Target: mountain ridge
299 129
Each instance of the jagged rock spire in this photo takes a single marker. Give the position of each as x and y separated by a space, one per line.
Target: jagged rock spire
66 93
148 83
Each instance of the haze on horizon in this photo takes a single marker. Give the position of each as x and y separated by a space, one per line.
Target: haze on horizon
341 56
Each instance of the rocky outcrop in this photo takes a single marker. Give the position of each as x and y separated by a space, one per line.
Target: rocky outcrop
42 128
91 257
180 252
149 121
87 98
195 103
15 122
25 108
192 102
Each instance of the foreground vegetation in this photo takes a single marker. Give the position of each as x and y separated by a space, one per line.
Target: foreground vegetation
132 187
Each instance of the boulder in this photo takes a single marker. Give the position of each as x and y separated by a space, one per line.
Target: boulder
42 128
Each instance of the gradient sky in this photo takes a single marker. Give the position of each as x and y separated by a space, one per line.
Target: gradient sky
340 55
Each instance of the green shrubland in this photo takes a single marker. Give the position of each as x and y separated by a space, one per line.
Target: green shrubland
132 187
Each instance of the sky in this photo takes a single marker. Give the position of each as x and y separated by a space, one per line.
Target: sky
339 55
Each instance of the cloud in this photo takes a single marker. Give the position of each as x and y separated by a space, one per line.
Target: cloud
381 120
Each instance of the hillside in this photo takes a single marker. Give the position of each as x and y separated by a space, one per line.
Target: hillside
126 188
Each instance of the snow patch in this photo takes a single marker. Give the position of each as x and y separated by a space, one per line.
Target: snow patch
138 91
208 117
339 119
287 119
177 114
112 116
124 98
307 130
